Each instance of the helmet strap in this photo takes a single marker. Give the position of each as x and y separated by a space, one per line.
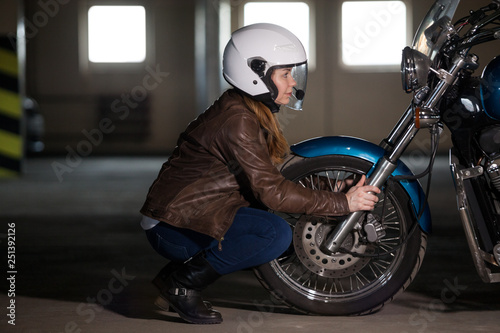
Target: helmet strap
270 84
273 92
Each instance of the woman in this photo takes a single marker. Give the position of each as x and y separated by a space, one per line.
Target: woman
202 206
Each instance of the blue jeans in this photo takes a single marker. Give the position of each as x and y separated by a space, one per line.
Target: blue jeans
255 237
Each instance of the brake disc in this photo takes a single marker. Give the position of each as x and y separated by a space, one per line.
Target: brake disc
309 234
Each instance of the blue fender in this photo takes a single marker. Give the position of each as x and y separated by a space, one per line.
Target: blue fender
349 146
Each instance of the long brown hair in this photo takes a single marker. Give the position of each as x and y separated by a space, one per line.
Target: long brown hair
276 142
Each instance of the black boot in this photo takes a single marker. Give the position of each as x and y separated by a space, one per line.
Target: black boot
183 291
160 281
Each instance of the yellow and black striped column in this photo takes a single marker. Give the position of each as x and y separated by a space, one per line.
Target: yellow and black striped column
11 143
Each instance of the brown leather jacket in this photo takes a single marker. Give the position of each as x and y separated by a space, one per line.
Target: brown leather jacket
220 164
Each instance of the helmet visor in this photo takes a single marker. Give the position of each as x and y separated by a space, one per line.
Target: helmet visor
299 74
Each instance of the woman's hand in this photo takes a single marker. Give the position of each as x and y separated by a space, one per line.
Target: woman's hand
360 198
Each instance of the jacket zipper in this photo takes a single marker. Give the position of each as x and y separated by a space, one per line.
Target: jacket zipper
220 243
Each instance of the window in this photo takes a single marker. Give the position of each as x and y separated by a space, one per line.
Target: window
293 16
373 33
117 34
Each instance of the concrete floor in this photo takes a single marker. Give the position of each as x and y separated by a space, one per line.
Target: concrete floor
79 247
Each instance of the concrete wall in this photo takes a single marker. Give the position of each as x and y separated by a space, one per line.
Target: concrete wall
338 101
8 15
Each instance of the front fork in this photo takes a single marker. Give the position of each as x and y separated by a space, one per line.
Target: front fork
395 145
385 167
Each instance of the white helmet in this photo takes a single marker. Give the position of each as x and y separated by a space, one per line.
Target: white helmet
251 55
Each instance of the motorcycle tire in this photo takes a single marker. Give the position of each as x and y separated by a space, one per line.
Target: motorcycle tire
355 282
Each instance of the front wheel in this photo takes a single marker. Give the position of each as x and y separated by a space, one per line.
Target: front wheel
363 275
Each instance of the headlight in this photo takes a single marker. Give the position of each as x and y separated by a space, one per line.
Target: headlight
414 69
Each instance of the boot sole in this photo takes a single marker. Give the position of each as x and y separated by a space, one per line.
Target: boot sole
163 304
196 320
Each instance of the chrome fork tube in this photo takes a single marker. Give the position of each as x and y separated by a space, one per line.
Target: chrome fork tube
401 145
384 168
447 79
400 127
336 238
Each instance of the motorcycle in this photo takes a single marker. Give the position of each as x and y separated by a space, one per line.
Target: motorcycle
352 265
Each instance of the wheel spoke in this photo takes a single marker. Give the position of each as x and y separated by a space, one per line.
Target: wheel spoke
362 279
383 240
380 266
337 188
376 270
330 182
